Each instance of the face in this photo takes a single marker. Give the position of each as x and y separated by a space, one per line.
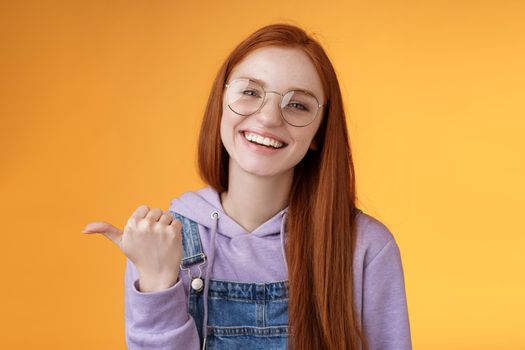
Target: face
277 69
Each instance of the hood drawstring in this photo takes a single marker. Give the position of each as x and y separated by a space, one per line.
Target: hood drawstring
284 214
214 215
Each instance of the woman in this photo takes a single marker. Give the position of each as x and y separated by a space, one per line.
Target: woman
273 253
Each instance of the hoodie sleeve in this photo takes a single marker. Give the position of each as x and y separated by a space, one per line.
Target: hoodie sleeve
385 313
157 320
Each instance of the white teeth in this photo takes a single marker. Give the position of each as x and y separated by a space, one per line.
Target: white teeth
262 140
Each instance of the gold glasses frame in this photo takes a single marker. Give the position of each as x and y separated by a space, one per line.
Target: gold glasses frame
319 106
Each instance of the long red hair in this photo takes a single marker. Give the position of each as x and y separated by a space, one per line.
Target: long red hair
321 205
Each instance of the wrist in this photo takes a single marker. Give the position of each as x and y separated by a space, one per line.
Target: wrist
152 283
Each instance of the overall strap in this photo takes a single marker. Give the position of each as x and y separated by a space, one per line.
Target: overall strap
191 242
192 254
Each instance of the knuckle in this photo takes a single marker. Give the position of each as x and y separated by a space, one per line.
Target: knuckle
144 225
172 230
150 220
170 235
177 224
174 234
132 222
158 227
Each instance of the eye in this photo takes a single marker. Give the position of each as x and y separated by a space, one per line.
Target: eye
298 106
252 93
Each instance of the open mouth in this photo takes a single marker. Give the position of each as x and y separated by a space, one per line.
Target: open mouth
262 141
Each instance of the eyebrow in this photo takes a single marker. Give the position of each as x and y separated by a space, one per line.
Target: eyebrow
266 85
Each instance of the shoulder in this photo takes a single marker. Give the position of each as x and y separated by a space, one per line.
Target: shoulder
206 192
196 205
372 237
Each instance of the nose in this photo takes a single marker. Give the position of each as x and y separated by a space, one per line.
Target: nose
270 112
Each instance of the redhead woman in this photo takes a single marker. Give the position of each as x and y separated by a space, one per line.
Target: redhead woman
273 253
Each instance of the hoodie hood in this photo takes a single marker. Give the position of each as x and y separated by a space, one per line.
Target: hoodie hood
199 207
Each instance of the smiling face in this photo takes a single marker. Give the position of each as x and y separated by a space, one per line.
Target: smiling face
277 69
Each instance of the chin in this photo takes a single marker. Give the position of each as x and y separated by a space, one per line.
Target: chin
261 172
266 172
262 168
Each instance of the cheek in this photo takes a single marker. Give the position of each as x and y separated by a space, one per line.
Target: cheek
307 134
227 130
303 137
224 131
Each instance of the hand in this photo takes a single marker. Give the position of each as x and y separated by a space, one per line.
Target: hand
152 241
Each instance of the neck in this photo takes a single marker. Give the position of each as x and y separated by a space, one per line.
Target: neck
252 200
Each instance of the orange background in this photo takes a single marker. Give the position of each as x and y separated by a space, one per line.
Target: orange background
100 105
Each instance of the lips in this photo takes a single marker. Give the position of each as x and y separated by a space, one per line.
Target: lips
263 139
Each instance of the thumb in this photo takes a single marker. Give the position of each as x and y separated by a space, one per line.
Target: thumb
108 230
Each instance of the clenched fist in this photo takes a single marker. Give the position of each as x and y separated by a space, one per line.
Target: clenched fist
152 241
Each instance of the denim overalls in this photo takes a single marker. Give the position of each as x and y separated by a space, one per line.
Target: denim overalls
239 315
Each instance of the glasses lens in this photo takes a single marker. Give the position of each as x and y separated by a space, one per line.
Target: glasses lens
299 108
244 96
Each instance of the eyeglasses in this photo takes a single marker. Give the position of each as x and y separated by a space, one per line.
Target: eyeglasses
246 97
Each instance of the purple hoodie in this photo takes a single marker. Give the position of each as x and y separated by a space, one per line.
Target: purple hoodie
160 320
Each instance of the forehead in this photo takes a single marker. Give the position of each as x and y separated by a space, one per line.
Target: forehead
280 69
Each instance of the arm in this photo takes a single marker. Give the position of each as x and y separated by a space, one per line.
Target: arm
157 320
385 313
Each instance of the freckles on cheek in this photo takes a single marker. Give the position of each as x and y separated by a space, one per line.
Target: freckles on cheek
303 139
227 130
223 132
